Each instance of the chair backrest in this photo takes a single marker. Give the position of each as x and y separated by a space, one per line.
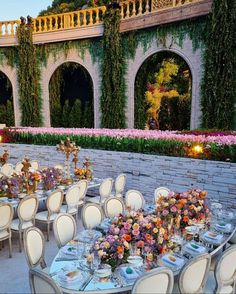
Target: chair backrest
92 215
105 188
7 169
27 209
64 227
159 280
134 199
120 184
225 272
6 215
18 167
42 283
54 202
113 206
34 244
161 192
72 196
34 164
83 187
193 275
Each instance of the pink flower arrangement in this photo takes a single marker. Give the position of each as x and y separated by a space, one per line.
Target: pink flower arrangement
134 133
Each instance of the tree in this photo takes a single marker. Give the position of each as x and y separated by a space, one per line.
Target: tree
88 114
75 118
161 88
9 114
66 114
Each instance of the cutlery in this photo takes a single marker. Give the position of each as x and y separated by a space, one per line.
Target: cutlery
65 259
85 283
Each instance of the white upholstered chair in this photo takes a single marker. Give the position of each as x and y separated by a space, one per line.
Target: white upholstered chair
160 192
7 169
120 185
113 206
134 199
225 272
53 205
6 215
92 215
75 197
34 244
193 276
64 228
18 167
34 165
42 283
104 191
159 280
26 211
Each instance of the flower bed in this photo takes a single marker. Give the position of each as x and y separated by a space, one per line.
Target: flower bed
215 147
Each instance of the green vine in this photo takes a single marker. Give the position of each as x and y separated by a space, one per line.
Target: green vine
219 80
113 98
28 78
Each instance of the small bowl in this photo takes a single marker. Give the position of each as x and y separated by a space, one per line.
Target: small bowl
135 260
21 195
103 272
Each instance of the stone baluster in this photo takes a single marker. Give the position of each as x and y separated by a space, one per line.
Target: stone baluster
122 11
147 6
97 16
134 9
50 23
140 9
127 10
55 23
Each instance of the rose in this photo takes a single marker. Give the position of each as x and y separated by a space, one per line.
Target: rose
165 212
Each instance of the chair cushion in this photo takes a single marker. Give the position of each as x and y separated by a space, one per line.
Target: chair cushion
16 222
43 216
226 290
4 234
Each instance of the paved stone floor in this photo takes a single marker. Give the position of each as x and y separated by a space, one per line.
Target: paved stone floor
14 271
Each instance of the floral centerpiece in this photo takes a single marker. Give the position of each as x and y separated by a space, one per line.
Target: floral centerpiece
51 177
146 233
11 187
183 209
85 172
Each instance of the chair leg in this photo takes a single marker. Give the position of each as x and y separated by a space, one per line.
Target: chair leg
3 244
0 245
48 231
20 241
10 248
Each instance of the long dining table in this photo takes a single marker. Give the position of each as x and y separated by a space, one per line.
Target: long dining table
71 260
42 194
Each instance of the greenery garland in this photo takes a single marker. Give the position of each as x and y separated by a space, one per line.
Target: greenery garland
113 98
219 80
28 78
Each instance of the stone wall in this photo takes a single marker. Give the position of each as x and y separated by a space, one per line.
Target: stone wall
145 172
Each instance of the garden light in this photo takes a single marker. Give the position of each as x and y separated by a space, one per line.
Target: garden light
197 149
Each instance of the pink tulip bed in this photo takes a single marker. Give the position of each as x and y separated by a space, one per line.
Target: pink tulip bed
213 145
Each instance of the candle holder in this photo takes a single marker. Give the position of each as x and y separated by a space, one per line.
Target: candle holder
68 147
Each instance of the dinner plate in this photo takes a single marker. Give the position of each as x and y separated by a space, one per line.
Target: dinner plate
70 276
69 250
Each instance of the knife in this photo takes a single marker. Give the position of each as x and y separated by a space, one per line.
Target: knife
85 283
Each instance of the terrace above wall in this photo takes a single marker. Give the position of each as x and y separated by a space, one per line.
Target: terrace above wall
87 23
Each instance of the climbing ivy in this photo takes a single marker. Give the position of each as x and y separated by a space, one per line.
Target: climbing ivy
28 78
219 80
113 98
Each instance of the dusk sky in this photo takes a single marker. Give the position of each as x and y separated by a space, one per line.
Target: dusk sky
14 9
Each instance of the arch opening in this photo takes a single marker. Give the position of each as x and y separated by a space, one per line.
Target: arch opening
163 92
71 96
6 101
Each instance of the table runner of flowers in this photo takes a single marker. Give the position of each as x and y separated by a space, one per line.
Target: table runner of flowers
151 234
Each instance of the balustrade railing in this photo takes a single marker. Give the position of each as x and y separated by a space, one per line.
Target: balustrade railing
70 20
91 16
8 27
